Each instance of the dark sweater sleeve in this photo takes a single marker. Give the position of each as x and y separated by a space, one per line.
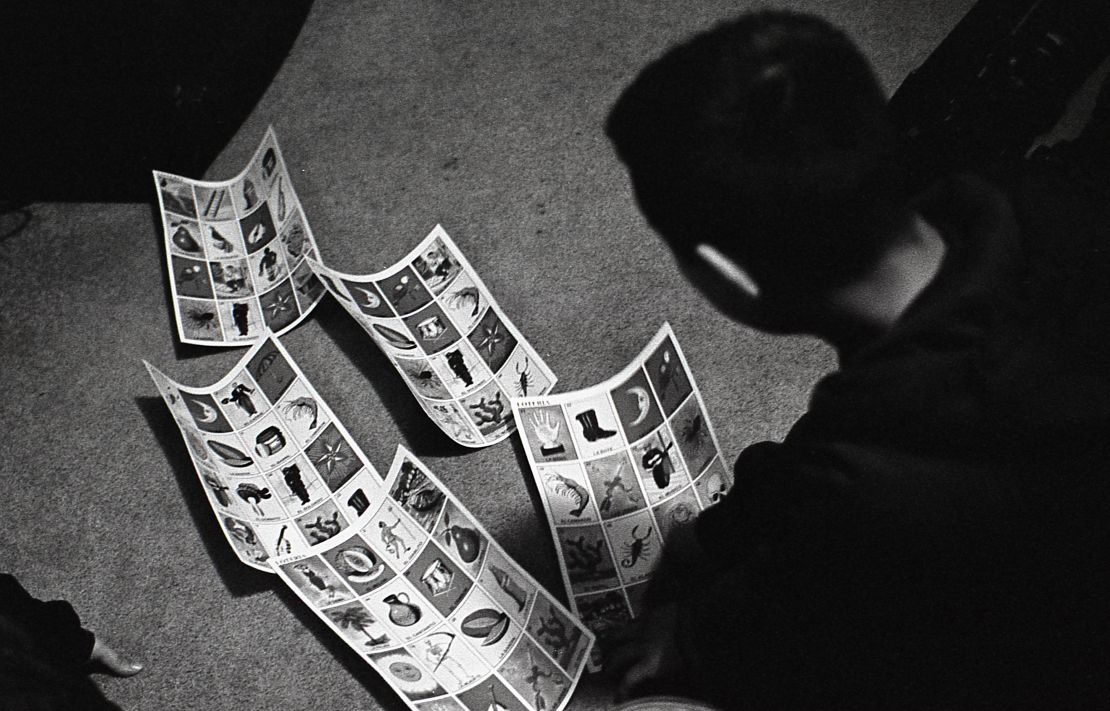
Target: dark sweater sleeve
53 628
801 580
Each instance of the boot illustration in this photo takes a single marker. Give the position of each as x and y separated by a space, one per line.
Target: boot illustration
239 315
590 429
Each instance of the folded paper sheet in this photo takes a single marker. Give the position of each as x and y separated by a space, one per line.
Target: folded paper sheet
439 325
619 465
236 251
424 595
281 472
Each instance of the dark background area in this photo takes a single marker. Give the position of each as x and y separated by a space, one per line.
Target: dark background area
96 95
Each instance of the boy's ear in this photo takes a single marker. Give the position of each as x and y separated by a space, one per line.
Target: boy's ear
726 269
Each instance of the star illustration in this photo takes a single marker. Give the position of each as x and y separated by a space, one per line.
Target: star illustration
280 304
332 456
491 337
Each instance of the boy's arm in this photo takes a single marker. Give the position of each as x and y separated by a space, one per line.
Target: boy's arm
54 626
55 631
739 594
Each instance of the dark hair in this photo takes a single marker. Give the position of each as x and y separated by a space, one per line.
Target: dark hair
769 136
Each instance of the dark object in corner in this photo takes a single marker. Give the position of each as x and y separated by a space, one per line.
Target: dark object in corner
1000 79
96 95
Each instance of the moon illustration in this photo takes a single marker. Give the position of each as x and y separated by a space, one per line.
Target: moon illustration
643 403
207 414
372 300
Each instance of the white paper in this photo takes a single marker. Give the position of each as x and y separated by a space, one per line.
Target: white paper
281 473
235 252
619 465
457 351
426 597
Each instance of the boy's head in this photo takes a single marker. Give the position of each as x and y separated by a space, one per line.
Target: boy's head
767 140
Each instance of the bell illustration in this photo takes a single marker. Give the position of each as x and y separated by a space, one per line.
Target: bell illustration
466 540
402 612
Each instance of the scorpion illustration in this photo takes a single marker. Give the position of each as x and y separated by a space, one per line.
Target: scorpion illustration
638 549
524 377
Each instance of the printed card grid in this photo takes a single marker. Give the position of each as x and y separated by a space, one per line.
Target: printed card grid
619 482
235 251
280 471
437 322
434 604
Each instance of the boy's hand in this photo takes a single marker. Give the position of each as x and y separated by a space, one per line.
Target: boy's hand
107 660
645 651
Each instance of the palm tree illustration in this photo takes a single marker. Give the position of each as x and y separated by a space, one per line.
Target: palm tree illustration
357 618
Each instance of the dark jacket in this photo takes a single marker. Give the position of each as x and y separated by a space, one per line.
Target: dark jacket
44 652
935 531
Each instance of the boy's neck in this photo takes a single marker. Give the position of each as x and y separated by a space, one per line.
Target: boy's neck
870 306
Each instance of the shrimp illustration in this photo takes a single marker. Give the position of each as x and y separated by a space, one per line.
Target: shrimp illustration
466 297
302 407
570 489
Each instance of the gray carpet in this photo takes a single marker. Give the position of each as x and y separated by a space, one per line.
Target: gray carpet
393 116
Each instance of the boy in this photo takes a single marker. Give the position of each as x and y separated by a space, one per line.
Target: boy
934 532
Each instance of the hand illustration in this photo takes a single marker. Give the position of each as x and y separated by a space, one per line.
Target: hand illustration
546 428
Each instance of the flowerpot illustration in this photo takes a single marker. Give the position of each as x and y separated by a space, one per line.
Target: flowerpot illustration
466 541
402 612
